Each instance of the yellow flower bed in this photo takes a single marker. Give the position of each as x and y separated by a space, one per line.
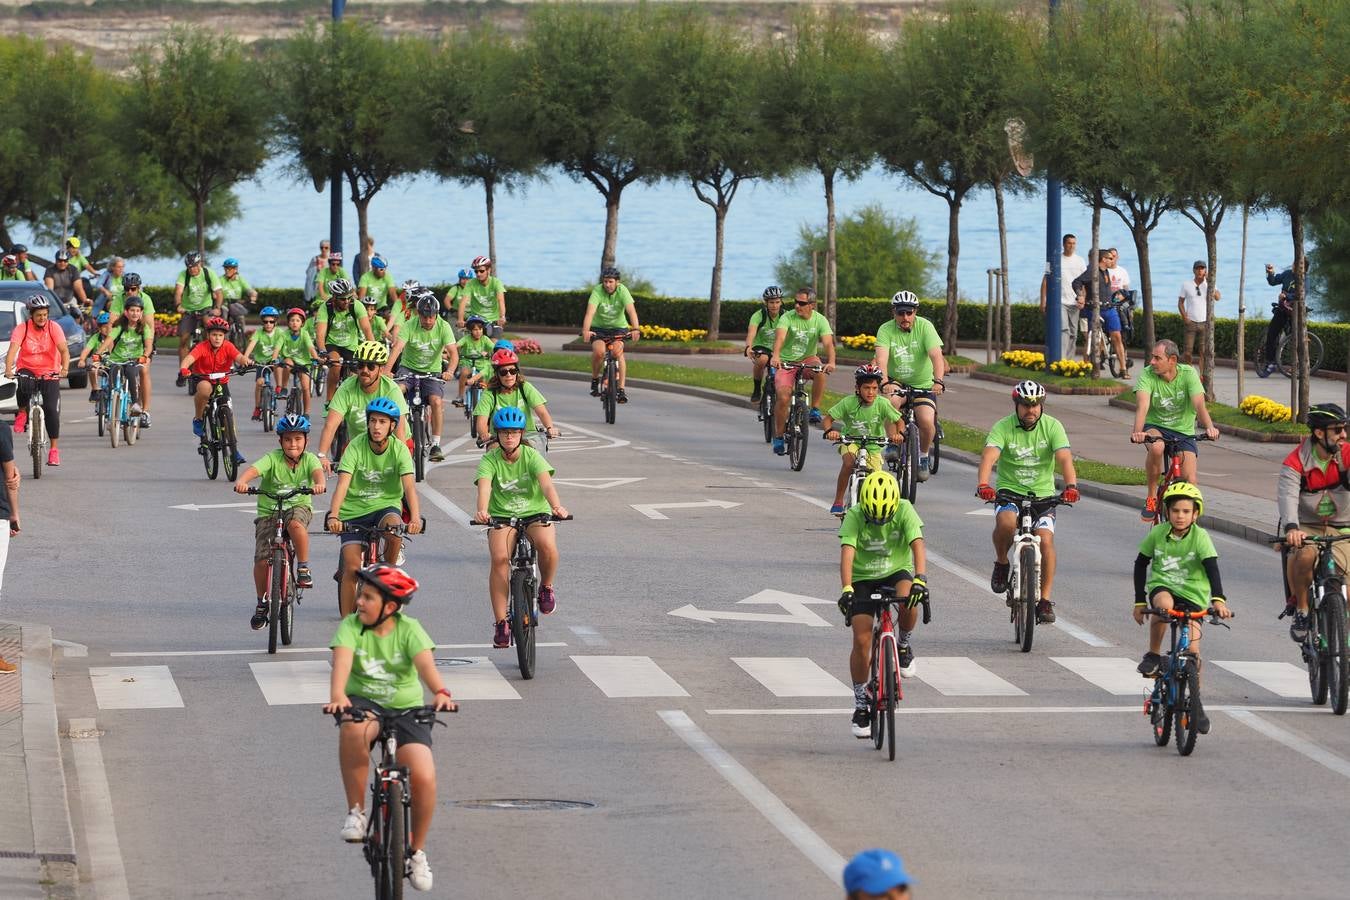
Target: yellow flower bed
662 333
1024 359
1071 368
1265 409
168 318
860 341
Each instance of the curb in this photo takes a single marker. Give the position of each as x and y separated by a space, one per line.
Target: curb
1086 390
1109 492
1246 434
53 836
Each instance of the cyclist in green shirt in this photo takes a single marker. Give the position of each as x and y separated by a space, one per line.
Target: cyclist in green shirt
326 276
508 387
352 398
427 354
9 269
267 342
909 351
475 355
759 336
102 326
1026 446
195 293
463 277
131 287
377 284
375 482
1178 568
880 545
78 261
233 286
514 480
296 352
286 468
130 342
380 329
340 324
1169 399
861 414
485 296
21 252
610 313
796 340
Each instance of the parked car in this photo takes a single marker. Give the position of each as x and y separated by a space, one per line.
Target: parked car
14 311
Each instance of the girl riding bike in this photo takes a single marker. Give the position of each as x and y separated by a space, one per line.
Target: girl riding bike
508 388
267 342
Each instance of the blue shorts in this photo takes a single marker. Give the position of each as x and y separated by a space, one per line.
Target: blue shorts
370 520
1045 517
1185 442
1110 320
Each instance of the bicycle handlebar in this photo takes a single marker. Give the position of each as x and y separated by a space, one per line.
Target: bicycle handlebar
1185 614
792 367
495 522
400 529
887 594
1155 438
1006 496
424 715
280 497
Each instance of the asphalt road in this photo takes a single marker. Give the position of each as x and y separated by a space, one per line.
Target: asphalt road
715 755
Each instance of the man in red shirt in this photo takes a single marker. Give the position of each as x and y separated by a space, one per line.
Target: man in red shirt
213 356
39 349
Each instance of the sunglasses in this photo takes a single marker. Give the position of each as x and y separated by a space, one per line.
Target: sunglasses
510 371
805 302
481 269
1336 429
906 312
368 366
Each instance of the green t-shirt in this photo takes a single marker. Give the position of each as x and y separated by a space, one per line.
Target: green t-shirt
128 345
118 304
296 347
525 398
1179 563
197 292
483 298
802 335
379 328
767 327
907 359
881 550
424 346
267 346
79 262
515 485
233 289
278 477
377 478
1170 403
382 667
350 402
96 339
16 275
852 417
381 289
1026 460
609 308
328 274
343 330
115 287
477 354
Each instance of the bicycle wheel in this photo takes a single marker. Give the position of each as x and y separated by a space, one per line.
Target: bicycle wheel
1286 358
277 583
1118 368
115 424
1160 714
132 429
609 395
269 412
910 488
1182 724
935 449
101 410
1333 632
1312 654
339 443
230 445
800 426
1029 589
35 435
766 399
394 859
888 703
470 401
288 600
419 449
522 622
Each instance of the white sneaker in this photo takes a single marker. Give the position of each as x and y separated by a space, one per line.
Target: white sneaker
135 409
402 558
923 472
354 828
419 871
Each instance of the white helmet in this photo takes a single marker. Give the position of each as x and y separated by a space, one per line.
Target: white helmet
1028 392
904 300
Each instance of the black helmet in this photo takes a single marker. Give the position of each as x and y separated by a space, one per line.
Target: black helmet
773 292
609 272
18 248
1324 415
192 259
131 280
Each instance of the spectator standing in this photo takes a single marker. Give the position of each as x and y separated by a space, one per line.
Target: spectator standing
1118 274
9 509
1281 311
1193 304
1070 267
316 265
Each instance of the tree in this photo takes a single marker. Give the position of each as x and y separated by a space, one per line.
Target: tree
876 252
817 103
198 114
1329 272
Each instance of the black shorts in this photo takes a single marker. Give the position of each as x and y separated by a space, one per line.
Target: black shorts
863 604
602 333
194 380
1179 602
406 729
344 353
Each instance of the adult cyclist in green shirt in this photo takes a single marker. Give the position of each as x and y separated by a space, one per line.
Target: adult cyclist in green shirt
864 415
1026 446
234 290
340 325
132 287
610 313
759 335
427 354
1169 399
377 284
799 334
909 351
327 275
484 296
195 294
352 398
880 545
475 356
266 343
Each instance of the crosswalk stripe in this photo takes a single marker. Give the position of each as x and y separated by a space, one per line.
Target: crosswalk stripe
959 676
479 679
629 676
792 676
1282 678
293 682
1113 674
134 687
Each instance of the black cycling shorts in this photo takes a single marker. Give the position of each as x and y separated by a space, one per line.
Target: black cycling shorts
406 729
863 604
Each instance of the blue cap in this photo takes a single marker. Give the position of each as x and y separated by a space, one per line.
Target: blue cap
377 262
875 872
230 263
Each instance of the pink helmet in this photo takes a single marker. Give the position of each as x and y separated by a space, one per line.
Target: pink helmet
505 358
479 262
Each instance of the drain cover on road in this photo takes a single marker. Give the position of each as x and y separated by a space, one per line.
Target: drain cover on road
524 804
448 661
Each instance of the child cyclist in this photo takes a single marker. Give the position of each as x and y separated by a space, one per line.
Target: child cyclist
213 356
375 479
379 653
296 352
475 355
1178 568
514 480
266 342
291 466
508 387
102 325
128 344
881 544
861 414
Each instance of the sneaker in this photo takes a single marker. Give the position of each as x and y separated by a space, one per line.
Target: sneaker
240 459
197 428
779 447
501 636
1298 632
303 578
1150 510
21 420
145 419
435 454
1150 665
259 618
815 416
458 401
180 381
53 457
257 414
136 409
354 826
998 581
1045 612
756 394
862 724
548 601
1198 717
402 557
907 665
923 472
7 667
595 387
621 397
419 871
93 396
837 509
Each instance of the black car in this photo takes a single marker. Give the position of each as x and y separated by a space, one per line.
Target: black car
14 309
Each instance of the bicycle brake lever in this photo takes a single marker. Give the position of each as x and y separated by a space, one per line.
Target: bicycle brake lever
927 611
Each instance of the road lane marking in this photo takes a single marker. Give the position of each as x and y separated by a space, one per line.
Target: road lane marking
598 484
293 683
135 687
905 709
628 676
809 499
792 676
1306 747
1077 631
810 844
652 510
439 646
106 869
960 676
589 636
479 680
1116 675
1282 678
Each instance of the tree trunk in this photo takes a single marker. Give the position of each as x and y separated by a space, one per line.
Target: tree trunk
1300 311
611 224
362 218
715 295
1139 232
489 201
1094 283
1006 305
953 253
1242 310
200 203
1207 350
831 270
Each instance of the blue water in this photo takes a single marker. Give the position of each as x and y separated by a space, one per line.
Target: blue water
549 235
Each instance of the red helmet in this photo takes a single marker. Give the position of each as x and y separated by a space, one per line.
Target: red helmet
216 323
295 311
480 261
505 358
392 582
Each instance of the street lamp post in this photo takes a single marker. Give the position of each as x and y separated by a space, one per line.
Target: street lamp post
335 179
1053 228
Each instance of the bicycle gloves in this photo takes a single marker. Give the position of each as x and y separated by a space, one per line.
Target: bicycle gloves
1070 494
985 492
846 605
918 592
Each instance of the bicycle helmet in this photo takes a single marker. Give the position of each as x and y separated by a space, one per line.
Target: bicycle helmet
103 318
340 288
1324 415
1028 392
464 274
428 305
773 292
504 358
479 262
503 344
131 280
609 272
1178 489
392 582
867 372
371 352
133 302
216 323
292 422
508 418
384 407
62 256
39 301
18 248
269 311
475 320
370 300
10 261
335 256
230 263
412 284
904 300
377 262
879 497
296 311
192 259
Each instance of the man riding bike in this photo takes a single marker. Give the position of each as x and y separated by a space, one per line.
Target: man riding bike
1169 398
340 325
353 397
426 351
377 284
37 350
760 334
795 340
861 414
909 351
610 313
484 296
196 292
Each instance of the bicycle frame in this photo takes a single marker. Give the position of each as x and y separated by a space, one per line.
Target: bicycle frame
1171 468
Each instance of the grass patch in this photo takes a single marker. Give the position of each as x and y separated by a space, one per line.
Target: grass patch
963 437
1046 377
1224 414
955 359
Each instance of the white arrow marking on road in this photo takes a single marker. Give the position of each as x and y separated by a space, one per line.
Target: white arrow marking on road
797 611
650 509
985 511
195 507
598 484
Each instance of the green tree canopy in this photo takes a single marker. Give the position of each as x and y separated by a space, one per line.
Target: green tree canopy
879 254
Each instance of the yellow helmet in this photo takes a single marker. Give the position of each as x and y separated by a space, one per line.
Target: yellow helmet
373 352
879 497
1184 489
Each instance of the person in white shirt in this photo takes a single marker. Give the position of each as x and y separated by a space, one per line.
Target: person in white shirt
1193 304
1120 276
1070 267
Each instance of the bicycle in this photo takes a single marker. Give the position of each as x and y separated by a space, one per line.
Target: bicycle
522 611
284 590
884 685
798 418
1176 686
102 401
1024 562
906 470
767 395
1324 649
218 435
1098 348
418 424
120 417
865 461
609 376
1284 354
1171 469
473 390
37 423
385 843
372 549
267 400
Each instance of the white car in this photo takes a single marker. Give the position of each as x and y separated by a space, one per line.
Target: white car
13 311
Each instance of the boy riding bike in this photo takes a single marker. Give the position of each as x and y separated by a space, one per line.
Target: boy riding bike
860 414
421 351
296 351
213 356
266 341
475 354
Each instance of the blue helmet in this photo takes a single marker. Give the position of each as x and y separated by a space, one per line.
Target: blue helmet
875 872
384 406
230 263
502 344
476 320
508 417
269 311
465 274
103 318
378 262
292 422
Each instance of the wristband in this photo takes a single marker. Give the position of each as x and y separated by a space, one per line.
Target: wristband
847 589
939 381
321 455
443 691
1138 603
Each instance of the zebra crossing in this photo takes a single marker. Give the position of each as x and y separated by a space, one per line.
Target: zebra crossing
292 682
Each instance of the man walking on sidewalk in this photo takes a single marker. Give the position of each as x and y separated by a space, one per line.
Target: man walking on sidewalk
1193 303
9 509
1070 267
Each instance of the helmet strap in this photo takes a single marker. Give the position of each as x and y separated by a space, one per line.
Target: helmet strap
1327 447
